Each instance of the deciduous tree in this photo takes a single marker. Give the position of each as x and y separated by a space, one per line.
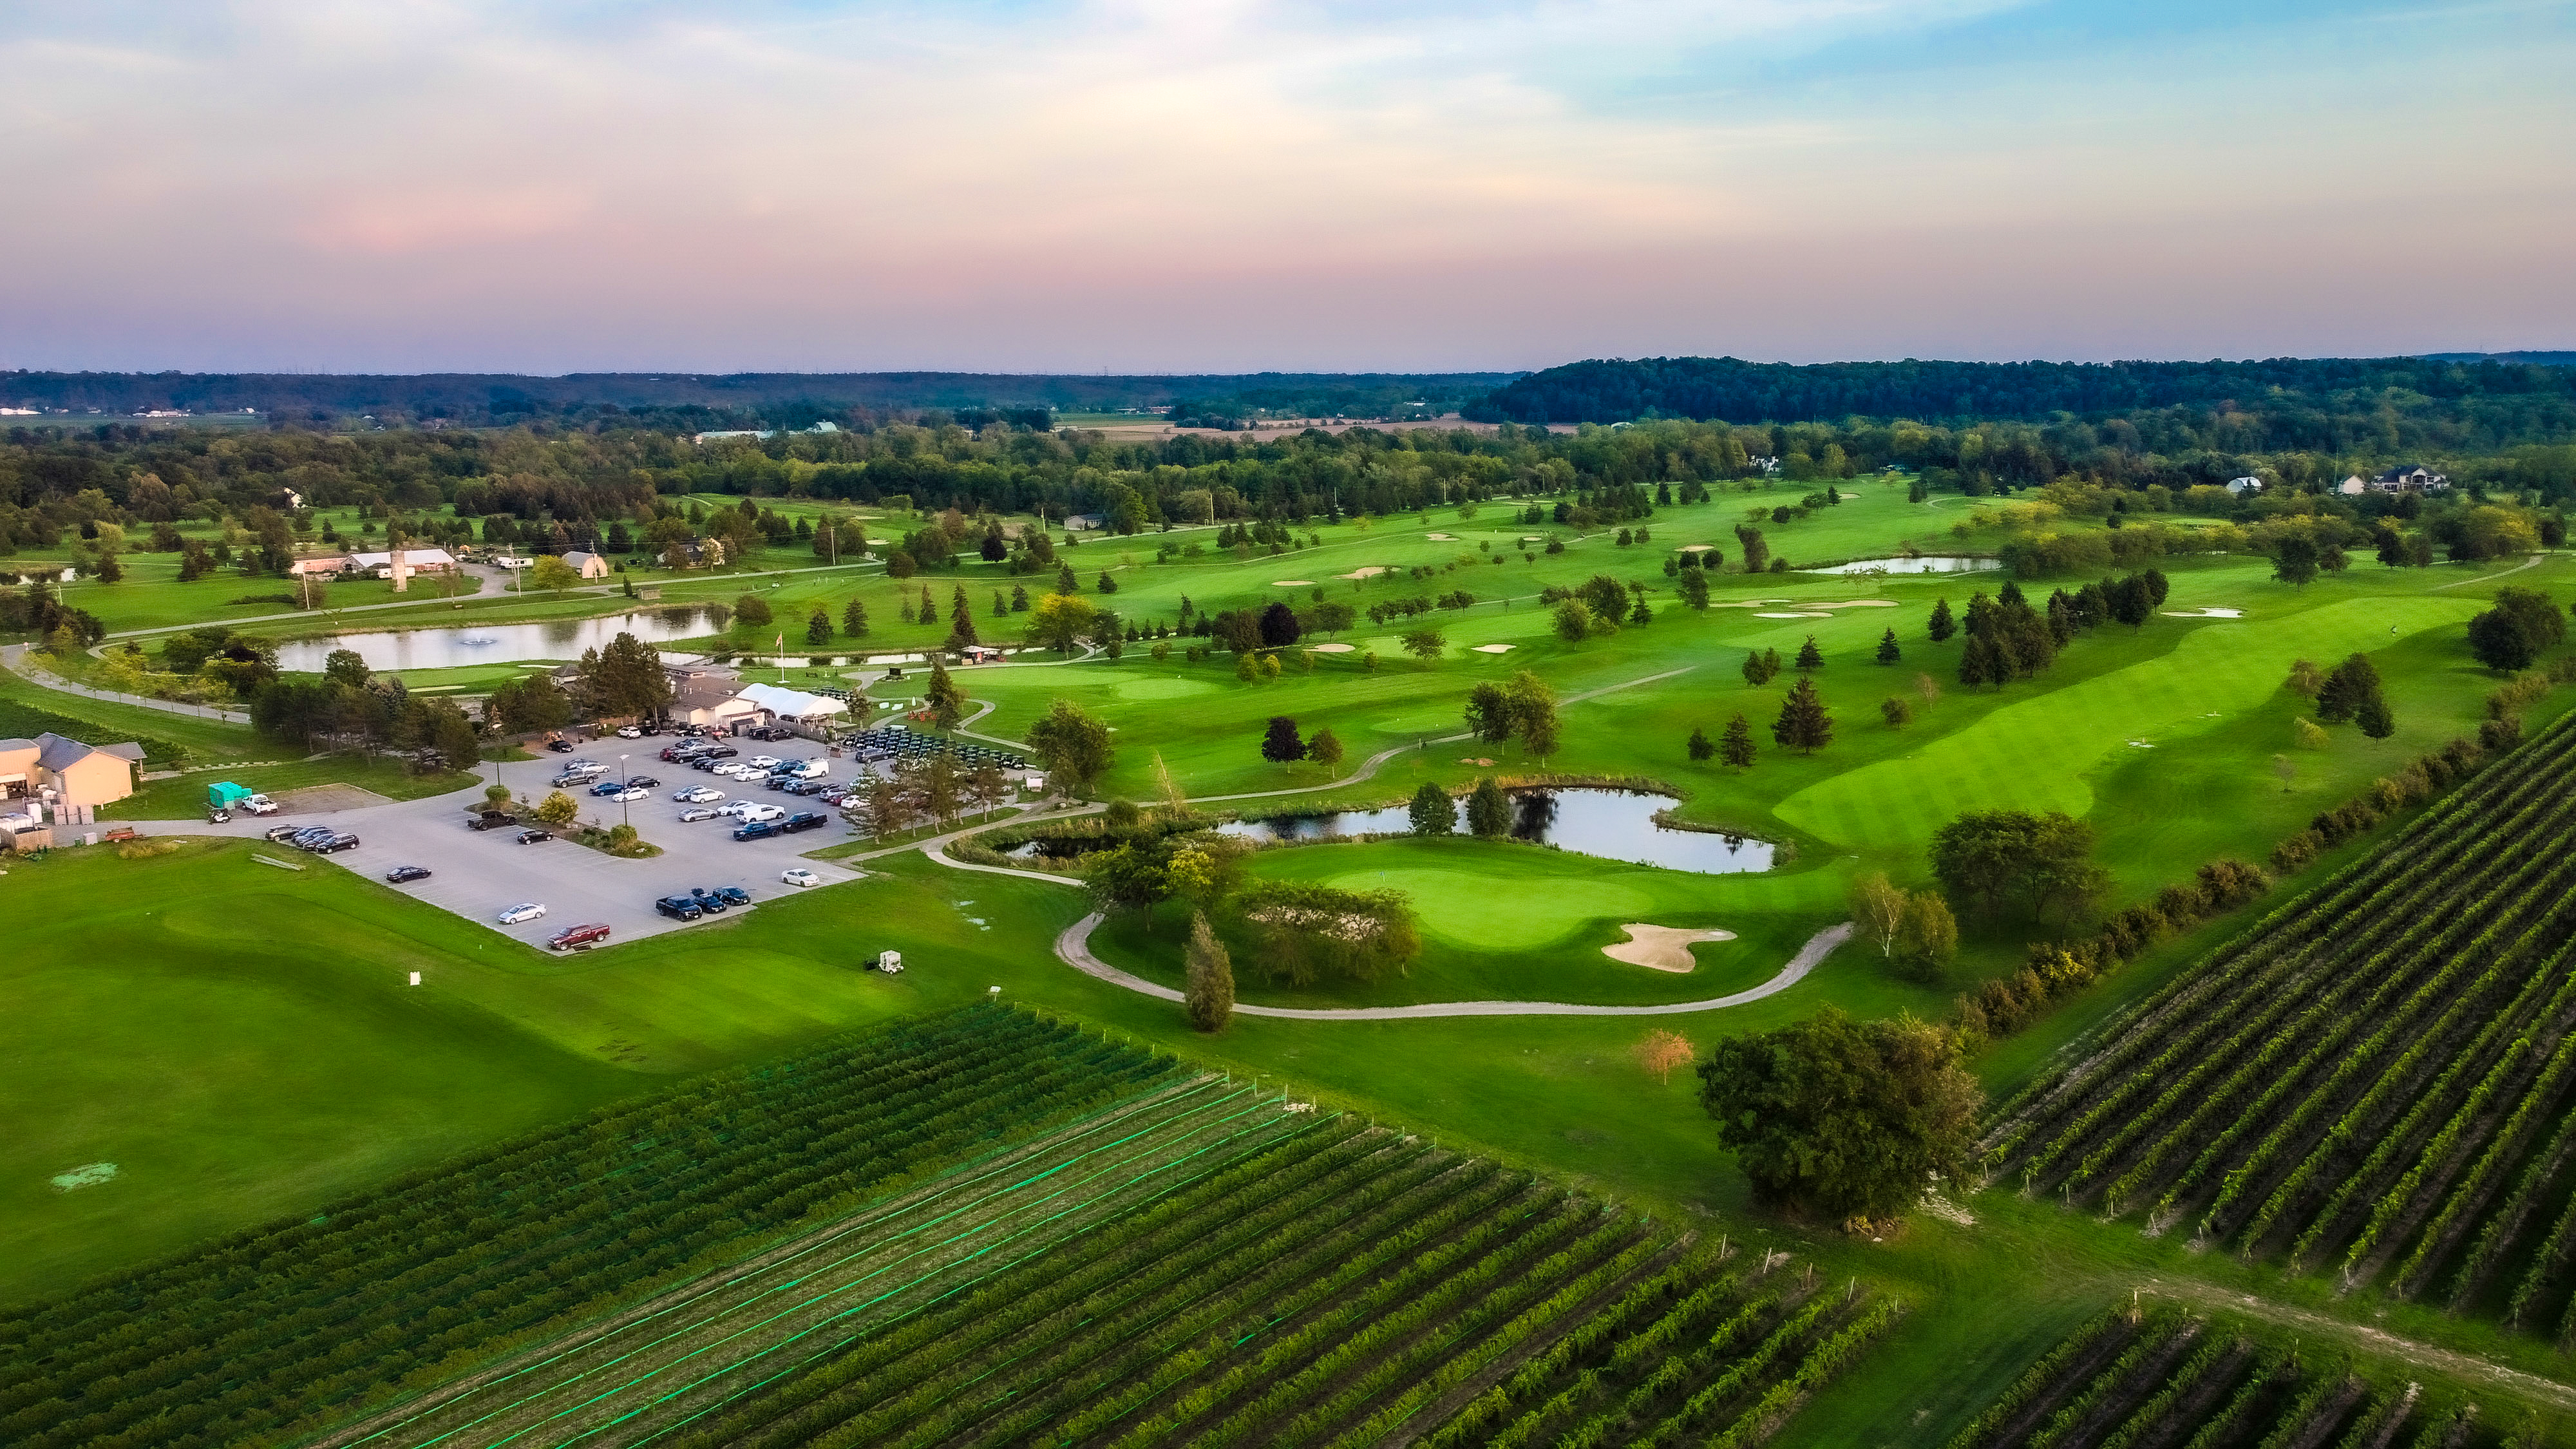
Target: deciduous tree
1279 742
1489 811
1072 745
1842 1119
1432 812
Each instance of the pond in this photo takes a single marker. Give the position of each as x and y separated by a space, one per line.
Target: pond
1612 824
505 643
1930 563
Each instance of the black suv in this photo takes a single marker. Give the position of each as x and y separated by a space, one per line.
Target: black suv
678 907
708 901
803 820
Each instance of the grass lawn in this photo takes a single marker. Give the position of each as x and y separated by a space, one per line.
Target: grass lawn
184 797
203 738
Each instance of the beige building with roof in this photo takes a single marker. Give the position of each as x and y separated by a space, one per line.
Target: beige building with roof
80 777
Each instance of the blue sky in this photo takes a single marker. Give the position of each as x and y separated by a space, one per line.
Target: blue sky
1149 185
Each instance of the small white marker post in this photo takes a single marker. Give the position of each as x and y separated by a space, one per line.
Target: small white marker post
415 978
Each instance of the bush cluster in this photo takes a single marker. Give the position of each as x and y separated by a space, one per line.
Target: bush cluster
2052 970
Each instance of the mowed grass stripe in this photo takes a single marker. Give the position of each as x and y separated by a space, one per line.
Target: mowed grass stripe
2033 754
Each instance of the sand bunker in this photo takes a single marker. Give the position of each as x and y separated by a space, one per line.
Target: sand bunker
1858 604
1773 614
1697 547
1441 537
2204 613
1469 760
1366 571
1745 603
1292 583
1493 649
1662 948
1331 648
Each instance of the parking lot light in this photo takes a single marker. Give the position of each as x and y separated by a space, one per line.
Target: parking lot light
625 808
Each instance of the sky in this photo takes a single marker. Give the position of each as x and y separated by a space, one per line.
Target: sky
1232 185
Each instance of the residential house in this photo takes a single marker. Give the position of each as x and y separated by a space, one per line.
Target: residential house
2242 486
1085 523
2353 485
2410 478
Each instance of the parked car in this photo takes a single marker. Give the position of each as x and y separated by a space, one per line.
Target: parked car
531 837
709 901
797 875
333 844
810 769
607 787
766 762
643 782
307 837
218 815
753 810
732 895
800 787
804 820
560 747
629 732
578 938
492 820
699 795
402 873
679 908
280 834
632 794
723 752
696 813
573 780
756 830
524 911
259 805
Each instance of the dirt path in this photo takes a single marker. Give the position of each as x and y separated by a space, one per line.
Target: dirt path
2460 1365
2532 562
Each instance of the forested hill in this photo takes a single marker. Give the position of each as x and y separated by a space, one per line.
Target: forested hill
778 398
1732 390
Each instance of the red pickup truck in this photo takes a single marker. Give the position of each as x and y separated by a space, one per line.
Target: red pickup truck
572 938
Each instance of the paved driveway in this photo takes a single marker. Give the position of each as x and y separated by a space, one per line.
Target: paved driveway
478 873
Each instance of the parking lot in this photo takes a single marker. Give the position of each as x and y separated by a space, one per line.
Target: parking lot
478 874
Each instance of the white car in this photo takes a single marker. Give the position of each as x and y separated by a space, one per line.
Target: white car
700 812
699 795
753 812
258 805
735 771
629 732
811 769
631 793
763 763
525 911
797 875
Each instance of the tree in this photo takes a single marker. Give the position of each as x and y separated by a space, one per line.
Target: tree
1692 585
1308 931
2294 560
1757 553
1701 748
2521 626
1841 1119
1878 909
1065 582
1761 666
2308 734
1991 858
1072 745
1897 710
2347 688
1207 990
1132 877
947 702
818 626
1942 626
1324 748
529 705
961 620
2306 680
2133 600
2286 770
1489 714
558 809
2374 718
346 666
751 611
624 679
1489 811
1660 1050
1737 748
1573 621
1279 626
553 575
1927 937
1927 689
1804 724
1062 621
1532 707
1888 653
1809 656
1432 812
1981 662
854 619
1279 743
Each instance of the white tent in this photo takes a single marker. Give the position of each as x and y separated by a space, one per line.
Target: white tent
792 703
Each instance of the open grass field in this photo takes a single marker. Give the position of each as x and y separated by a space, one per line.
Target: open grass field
185 795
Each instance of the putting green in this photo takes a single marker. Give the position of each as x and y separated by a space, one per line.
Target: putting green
1474 911
1164 688
2034 754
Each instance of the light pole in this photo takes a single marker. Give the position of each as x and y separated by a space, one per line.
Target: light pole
625 807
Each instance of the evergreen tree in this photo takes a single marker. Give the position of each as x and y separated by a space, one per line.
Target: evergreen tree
1701 748
1737 746
1019 599
947 702
1207 993
2352 684
961 620
1809 656
1431 812
1888 653
818 627
1065 582
1693 586
1107 585
1981 663
1942 625
903 607
1001 606
1489 811
854 619
1804 724
2061 617
2374 718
